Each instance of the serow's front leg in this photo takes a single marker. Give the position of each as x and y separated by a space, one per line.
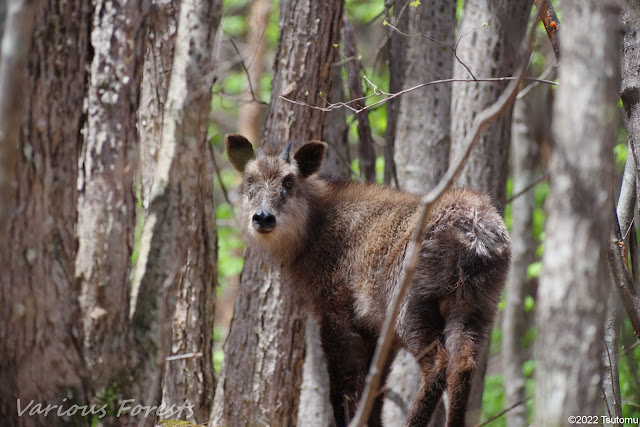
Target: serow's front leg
348 355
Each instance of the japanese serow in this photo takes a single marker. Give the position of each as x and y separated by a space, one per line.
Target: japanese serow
341 246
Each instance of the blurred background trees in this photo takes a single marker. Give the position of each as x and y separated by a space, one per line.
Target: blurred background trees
122 276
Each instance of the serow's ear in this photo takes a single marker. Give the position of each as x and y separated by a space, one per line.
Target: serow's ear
309 157
239 150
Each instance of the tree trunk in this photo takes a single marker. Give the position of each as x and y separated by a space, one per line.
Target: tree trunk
13 63
190 379
106 219
490 50
314 408
423 132
180 204
396 46
574 286
515 321
158 59
188 376
264 351
421 138
40 335
630 87
490 36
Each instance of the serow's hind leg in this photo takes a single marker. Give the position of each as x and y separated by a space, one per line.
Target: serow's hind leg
464 340
433 365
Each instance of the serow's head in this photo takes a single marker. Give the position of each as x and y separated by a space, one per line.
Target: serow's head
274 206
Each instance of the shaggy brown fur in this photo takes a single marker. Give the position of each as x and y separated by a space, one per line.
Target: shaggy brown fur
341 245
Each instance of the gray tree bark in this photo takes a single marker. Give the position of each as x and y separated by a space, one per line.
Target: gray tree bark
264 351
13 62
106 218
574 287
421 139
156 70
188 376
490 50
396 45
179 205
525 156
630 84
40 336
423 123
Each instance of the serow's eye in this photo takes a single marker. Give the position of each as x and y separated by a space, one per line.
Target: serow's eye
249 180
288 183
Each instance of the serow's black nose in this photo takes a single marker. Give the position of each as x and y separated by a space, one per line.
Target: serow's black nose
263 222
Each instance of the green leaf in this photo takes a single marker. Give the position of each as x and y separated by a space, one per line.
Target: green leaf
529 303
534 269
415 3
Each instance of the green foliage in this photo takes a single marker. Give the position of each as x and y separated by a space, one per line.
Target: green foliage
230 247
137 232
493 399
219 335
534 269
363 11
629 370
620 154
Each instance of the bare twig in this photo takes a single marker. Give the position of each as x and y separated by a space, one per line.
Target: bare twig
246 71
193 355
483 119
635 344
219 175
504 411
550 70
390 96
529 187
454 48
239 411
551 23
622 281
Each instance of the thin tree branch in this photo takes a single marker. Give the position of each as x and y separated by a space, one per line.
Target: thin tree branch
246 71
635 344
622 281
391 96
239 411
483 119
193 355
504 411
550 70
551 23
219 175
529 187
